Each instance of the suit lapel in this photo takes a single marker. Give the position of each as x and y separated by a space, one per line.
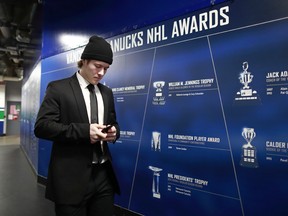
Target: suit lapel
77 92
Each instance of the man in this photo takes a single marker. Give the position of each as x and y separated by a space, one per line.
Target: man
81 180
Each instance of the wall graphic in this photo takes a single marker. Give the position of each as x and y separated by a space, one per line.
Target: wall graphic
202 112
30 105
202 104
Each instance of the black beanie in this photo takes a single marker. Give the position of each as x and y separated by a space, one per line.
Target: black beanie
98 49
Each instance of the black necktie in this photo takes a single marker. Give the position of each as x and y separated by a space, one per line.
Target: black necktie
93 104
97 151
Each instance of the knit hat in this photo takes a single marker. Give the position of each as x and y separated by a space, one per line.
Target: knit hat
98 49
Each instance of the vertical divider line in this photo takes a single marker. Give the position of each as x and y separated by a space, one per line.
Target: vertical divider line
136 164
225 123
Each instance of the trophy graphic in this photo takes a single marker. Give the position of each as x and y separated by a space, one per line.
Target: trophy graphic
249 152
155 183
159 99
156 141
159 85
245 79
246 93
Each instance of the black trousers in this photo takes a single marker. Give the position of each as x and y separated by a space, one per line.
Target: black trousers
99 199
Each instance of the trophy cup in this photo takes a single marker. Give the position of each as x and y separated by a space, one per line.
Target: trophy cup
249 152
155 183
156 141
246 93
159 85
159 99
245 78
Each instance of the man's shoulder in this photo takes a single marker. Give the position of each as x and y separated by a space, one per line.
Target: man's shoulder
103 87
63 81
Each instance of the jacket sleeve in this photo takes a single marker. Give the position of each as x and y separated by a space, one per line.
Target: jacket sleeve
53 120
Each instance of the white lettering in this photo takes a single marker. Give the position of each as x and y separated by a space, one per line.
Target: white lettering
156 34
205 21
127 42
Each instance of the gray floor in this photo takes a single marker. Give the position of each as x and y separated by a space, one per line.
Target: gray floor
20 194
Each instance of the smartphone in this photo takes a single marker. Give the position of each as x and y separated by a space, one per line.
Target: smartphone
105 130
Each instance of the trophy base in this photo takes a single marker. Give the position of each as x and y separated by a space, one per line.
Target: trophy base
246 92
249 157
247 99
249 164
157 195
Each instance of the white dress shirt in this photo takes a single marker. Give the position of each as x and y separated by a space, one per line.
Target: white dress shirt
83 84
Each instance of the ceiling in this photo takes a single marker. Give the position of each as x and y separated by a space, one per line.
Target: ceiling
20 37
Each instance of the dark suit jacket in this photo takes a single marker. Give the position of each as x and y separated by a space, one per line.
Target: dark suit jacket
63 119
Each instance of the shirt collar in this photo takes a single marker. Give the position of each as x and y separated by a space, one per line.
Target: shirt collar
83 83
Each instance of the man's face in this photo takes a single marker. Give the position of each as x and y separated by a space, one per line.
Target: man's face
93 70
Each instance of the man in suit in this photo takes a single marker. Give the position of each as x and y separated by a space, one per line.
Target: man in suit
81 180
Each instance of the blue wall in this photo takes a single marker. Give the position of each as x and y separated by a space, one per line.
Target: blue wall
222 146
66 19
107 18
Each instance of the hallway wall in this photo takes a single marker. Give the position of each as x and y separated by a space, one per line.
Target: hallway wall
201 110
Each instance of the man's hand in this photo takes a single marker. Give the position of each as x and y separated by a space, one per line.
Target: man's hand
110 135
96 134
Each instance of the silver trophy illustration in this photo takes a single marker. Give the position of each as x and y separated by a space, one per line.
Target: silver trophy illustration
245 79
246 93
249 152
156 141
159 99
159 85
155 183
